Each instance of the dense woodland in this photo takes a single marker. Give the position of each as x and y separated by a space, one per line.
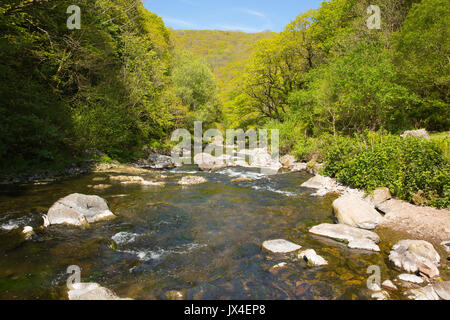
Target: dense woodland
338 91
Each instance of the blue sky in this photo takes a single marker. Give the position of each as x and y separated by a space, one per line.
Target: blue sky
243 15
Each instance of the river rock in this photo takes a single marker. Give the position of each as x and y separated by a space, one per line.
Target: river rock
410 278
157 161
446 245
410 254
78 209
356 212
356 238
380 195
280 246
206 161
442 289
175 295
192 180
298 166
380 295
324 185
312 258
28 232
426 293
278 266
388 284
287 161
91 291
422 133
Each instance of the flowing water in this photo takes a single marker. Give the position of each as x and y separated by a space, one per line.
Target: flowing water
203 240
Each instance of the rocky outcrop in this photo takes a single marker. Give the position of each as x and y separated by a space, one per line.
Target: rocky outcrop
312 258
191 180
356 238
412 255
355 212
280 246
91 291
422 133
78 209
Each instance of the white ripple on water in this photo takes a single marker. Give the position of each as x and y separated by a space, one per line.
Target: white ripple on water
242 174
124 237
147 255
286 193
15 223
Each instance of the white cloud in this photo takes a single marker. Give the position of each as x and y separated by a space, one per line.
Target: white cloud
179 23
254 13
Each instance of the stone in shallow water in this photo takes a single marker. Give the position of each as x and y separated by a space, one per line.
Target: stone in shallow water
356 238
355 212
280 246
364 244
442 289
278 267
410 254
380 295
192 180
388 284
312 258
91 291
175 295
410 278
78 209
426 293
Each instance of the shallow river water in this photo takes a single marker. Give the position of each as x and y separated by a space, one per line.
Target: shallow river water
202 240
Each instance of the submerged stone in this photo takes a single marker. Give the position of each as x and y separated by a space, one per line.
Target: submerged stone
280 246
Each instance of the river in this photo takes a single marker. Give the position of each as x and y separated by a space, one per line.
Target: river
203 240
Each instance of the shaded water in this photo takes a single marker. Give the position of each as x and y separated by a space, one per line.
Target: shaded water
204 240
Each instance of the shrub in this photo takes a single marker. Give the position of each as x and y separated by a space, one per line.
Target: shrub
405 166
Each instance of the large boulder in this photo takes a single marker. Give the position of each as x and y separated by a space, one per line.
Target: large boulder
280 246
206 161
356 212
157 161
422 133
78 209
355 237
91 291
414 256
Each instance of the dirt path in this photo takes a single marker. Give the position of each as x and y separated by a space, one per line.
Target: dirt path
419 222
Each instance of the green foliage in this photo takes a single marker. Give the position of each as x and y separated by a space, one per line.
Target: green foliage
405 166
